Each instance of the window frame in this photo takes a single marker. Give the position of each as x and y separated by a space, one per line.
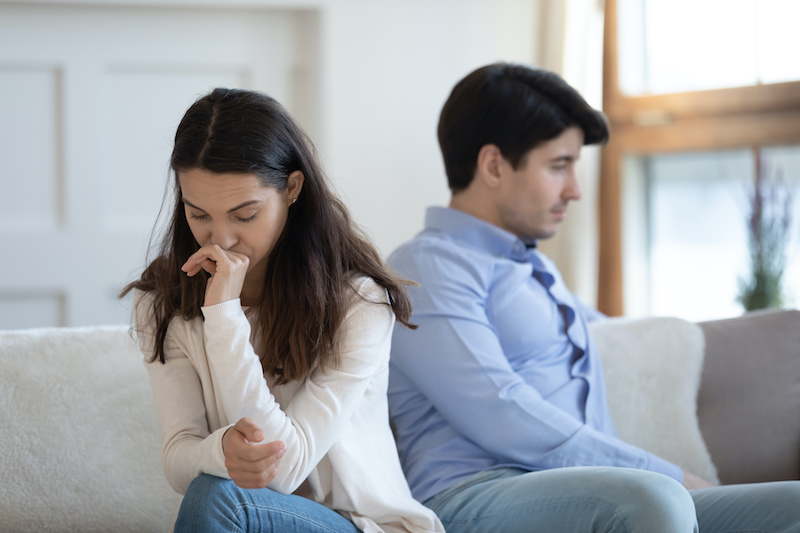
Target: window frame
718 119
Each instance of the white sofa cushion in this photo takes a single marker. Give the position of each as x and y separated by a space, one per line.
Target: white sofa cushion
80 448
653 368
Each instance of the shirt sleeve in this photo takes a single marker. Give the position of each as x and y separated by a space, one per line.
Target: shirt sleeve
456 360
324 404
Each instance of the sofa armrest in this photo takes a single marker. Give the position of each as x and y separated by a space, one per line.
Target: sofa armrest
749 400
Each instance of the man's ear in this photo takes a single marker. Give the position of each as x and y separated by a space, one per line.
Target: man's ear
489 166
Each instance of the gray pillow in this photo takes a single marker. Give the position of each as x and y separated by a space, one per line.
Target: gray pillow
749 401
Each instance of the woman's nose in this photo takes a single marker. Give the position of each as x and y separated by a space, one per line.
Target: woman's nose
223 236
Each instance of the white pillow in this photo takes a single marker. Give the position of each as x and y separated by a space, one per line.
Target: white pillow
652 368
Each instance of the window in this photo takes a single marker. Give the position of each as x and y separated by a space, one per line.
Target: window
693 91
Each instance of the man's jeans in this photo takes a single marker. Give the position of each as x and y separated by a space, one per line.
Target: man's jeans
601 499
214 505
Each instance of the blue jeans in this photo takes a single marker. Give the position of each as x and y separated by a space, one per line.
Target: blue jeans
600 499
214 504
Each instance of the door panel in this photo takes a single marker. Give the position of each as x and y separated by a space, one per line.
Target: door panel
89 101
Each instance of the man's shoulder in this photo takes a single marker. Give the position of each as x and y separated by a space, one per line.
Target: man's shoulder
434 250
443 267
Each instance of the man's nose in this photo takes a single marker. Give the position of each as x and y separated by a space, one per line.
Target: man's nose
573 189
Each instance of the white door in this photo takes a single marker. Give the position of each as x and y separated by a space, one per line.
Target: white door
89 101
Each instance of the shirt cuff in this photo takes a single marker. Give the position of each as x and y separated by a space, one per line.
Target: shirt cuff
662 466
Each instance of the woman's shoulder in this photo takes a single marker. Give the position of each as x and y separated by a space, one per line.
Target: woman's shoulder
366 288
145 316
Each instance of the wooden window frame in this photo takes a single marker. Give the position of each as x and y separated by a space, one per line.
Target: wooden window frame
731 118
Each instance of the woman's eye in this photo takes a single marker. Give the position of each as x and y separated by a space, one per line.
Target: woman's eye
247 219
195 216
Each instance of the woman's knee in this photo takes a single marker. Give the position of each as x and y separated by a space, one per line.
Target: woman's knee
209 499
205 488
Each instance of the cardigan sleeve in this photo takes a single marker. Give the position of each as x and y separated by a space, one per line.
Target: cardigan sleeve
189 446
322 406
309 425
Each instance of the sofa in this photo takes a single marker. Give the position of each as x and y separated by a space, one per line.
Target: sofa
79 449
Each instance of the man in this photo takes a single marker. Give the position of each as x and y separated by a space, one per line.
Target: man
498 398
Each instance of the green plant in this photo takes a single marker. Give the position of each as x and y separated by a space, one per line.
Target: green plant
768 227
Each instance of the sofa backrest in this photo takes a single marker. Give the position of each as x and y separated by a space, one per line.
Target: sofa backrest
749 401
79 445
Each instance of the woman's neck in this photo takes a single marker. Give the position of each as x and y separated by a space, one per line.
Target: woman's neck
252 289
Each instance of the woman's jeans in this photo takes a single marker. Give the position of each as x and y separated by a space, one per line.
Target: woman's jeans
601 499
214 504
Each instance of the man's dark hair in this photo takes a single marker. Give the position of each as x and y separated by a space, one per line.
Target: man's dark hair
516 108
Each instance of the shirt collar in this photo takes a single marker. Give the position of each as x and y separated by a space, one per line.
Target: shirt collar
475 232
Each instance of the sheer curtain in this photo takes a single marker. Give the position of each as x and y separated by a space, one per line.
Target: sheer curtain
572 45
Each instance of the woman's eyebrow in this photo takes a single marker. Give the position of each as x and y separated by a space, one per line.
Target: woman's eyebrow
245 204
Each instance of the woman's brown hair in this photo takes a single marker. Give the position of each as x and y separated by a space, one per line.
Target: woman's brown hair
306 290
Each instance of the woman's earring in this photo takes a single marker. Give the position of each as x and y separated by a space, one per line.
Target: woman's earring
294 201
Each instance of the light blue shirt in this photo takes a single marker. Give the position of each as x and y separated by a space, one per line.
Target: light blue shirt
501 371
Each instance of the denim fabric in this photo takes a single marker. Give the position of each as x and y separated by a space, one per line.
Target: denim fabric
751 508
215 505
608 499
579 499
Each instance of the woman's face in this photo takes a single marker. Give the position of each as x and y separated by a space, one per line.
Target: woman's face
238 213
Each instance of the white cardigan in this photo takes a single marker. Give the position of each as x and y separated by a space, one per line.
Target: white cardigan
335 424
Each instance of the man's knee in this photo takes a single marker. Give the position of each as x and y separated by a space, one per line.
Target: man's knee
647 501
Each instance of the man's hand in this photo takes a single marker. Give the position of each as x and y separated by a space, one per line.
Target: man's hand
250 465
691 482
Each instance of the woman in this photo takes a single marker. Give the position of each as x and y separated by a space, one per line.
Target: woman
266 322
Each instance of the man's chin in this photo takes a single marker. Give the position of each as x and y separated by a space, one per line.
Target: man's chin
547 233
538 236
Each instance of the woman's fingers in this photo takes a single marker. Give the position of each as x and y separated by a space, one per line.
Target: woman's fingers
228 270
211 258
250 465
206 264
205 258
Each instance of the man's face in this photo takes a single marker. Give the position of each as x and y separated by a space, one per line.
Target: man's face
533 198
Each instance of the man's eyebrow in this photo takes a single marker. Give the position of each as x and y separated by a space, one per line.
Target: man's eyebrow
564 158
245 204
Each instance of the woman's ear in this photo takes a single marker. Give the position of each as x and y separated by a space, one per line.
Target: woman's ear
294 184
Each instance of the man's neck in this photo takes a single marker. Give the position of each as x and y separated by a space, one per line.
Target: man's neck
465 203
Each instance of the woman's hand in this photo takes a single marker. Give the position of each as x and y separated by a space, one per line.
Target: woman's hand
250 465
227 269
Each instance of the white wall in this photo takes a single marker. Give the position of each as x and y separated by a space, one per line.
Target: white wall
372 78
388 66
